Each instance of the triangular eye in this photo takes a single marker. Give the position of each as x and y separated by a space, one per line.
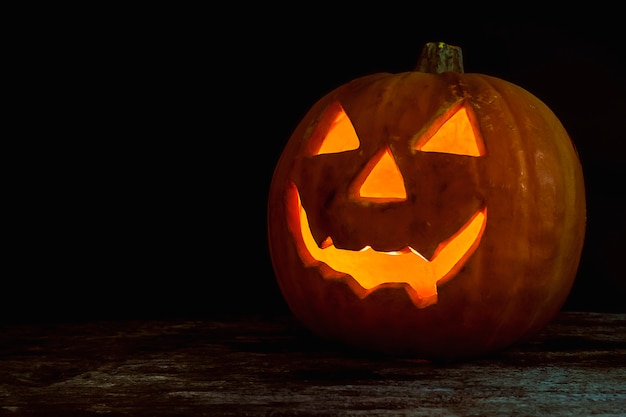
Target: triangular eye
333 133
381 179
455 132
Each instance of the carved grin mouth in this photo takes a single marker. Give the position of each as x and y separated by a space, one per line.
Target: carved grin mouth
372 269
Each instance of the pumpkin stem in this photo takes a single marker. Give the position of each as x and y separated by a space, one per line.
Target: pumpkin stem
438 57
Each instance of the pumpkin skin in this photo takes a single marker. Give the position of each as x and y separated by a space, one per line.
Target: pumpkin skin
524 179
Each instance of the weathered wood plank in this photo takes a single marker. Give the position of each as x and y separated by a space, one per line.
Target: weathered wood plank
575 367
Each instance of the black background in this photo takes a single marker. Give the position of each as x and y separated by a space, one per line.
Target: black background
148 140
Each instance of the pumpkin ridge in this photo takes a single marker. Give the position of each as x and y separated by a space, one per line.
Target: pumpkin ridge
518 141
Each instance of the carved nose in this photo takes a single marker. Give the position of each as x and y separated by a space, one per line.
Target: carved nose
381 179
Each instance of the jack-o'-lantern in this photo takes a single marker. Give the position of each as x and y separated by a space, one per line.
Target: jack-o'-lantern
431 213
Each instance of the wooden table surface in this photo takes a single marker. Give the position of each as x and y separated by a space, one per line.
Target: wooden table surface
272 367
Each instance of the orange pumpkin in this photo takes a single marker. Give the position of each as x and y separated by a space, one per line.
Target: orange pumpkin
434 214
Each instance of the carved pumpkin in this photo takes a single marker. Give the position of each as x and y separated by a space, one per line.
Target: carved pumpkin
434 214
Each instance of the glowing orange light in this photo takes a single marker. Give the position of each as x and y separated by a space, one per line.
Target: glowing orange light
335 132
371 268
456 135
383 181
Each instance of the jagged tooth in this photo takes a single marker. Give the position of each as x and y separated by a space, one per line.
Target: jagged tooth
417 253
327 243
403 251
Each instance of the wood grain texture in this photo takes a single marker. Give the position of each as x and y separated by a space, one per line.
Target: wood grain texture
574 367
